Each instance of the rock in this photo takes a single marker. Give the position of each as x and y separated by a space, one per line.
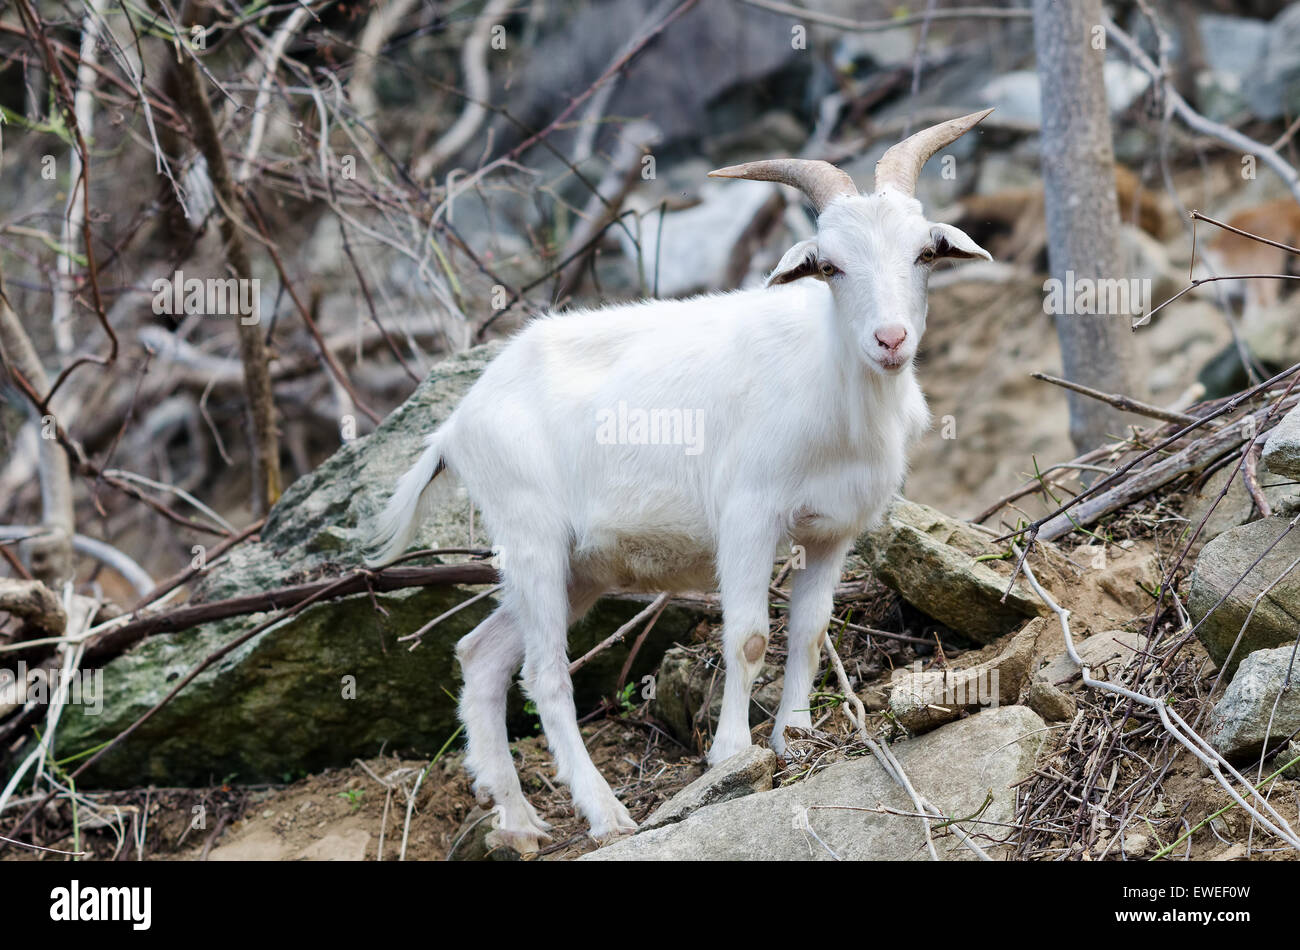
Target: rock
1240 721
1143 256
259 845
1278 90
332 683
931 559
1233 44
1220 565
263 844
1271 334
683 684
1252 65
1288 759
1016 95
1282 448
1101 652
868 51
1234 48
1236 507
697 248
694 76
1235 852
1115 588
875 697
1051 703
921 700
745 773
955 767
1136 844
347 845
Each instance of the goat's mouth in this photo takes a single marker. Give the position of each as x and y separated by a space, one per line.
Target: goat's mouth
890 364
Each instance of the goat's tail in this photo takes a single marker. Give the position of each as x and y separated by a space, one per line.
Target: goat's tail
412 501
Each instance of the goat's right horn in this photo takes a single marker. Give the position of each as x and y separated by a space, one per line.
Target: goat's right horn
899 167
822 182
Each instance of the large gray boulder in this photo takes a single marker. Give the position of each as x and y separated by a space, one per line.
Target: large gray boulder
332 683
1282 448
1218 574
1237 507
835 813
1250 64
1255 708
948 569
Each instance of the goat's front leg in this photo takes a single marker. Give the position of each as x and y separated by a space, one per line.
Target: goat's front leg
746 544
811 602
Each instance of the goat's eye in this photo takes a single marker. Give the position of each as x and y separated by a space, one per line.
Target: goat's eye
828 269
927 256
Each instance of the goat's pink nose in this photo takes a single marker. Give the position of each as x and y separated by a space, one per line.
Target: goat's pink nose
891 337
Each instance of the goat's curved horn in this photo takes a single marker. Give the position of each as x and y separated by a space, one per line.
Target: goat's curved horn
822 182
899 167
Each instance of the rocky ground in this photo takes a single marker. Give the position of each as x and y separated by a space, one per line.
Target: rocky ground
961 671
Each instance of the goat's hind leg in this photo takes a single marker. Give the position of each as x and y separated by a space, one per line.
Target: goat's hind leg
489 657
544 603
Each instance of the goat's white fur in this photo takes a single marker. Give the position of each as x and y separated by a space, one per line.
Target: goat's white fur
806 421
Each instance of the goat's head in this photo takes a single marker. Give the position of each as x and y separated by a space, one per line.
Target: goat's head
874 251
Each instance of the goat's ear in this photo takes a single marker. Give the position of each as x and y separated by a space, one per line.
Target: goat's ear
955 244
799 261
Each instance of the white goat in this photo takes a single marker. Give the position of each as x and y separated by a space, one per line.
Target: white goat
805 401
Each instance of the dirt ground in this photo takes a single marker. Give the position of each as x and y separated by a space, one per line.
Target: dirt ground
359 813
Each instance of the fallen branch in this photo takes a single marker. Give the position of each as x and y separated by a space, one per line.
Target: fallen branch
1191 459
655 607
893 23
1032 530
1119 401
123 637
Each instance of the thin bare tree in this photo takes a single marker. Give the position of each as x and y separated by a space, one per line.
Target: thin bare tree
1082 211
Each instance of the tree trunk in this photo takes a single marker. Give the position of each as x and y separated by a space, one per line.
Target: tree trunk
263 439
1082 212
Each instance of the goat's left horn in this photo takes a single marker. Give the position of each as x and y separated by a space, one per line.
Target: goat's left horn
899 167
822 182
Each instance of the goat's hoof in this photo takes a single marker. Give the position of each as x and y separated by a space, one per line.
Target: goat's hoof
612 836
526 841
604 836
519 828
613 823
